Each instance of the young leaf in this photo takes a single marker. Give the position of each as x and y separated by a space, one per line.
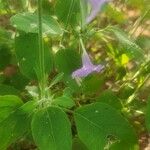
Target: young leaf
100 126
15 125
65 100
28 23
51 129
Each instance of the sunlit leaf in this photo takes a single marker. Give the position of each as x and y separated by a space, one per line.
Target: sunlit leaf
28 22
8 104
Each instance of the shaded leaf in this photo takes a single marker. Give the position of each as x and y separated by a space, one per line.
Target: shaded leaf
51 129
100 126
65 100
8 90
27 51
67 60
15 125
110 98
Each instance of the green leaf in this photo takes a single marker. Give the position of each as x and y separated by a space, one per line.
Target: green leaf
115 14
51 129
28 23
72 84
78 145
110 98
100 126
27 48
84 11
15 125
5 56
5 37
57 79
129 46
8 90
8 104
93 83
19 81
67 60
67 11
65 100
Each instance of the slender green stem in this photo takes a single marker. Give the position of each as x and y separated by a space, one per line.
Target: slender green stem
67 21
139 21
42 77
82 45
132 97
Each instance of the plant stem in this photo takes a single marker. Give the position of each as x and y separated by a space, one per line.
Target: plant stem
42 78
82 45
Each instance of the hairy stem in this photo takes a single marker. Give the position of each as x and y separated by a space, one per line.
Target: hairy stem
82 45
42 78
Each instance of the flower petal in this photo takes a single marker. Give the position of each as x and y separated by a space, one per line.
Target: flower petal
82 72
96 6
86 61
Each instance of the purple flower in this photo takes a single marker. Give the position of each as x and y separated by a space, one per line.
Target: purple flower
87 67
95 8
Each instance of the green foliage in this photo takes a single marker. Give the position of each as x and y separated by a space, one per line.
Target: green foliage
78 145
67 11
65 100
148 115
84 11
42 44
15 125
128 45
8 90
67 60
115 14
93 83
5 37
8 104
26 46
28 23
100 126
5 56
110 98
57 79
51 129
